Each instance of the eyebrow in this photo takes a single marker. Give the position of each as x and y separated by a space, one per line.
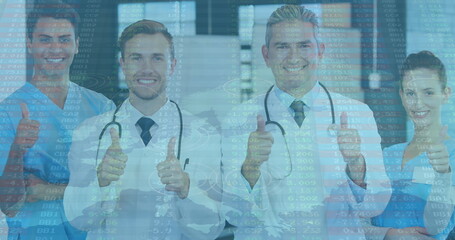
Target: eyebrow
139 54
48 36
286 43
134 55
425 89
44 35
305 42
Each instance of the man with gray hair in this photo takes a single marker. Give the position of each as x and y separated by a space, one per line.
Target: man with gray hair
300 162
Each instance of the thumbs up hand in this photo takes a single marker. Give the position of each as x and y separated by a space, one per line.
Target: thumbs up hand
349 145
259 145
438 154
171 173
259 148
348 141
114 161
27 130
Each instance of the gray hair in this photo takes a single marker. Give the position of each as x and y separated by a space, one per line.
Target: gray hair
289 13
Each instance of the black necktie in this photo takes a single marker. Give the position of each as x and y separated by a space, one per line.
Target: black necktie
145 124
299 115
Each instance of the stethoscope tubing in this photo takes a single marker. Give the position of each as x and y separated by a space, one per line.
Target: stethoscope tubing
114 122
283 132
267 114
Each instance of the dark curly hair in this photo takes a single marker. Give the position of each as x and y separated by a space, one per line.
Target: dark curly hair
52 9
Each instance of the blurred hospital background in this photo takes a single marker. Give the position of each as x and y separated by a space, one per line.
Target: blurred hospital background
218 50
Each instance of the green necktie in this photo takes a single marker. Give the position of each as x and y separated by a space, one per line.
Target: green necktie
145 124
299 115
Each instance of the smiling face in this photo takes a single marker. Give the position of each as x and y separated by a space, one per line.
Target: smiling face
293 55
53 46
422 96
147 66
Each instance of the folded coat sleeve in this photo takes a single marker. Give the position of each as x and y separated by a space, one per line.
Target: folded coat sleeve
242 205
373 232
200 214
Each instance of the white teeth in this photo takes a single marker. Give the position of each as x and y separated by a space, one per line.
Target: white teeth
420 113
146 81
293 69
54 60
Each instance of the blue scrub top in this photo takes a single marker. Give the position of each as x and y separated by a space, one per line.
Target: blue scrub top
47 159
407 203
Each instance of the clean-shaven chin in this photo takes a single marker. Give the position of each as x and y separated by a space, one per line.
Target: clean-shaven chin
298 87
51 70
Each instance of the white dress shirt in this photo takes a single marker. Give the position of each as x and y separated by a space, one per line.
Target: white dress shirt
137 206
308 194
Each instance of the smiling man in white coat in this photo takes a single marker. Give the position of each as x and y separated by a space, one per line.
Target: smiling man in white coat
300 162
154 173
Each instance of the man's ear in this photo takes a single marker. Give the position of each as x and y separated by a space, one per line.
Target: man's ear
77 45
400 91
265 54
29 45
321 50
446 94
173 64
122 63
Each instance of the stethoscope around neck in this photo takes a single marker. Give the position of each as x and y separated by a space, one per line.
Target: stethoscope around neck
331 129
114 123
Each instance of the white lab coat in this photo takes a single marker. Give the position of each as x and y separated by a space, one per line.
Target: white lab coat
137 206
311 196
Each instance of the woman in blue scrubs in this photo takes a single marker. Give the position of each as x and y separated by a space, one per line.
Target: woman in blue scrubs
421 170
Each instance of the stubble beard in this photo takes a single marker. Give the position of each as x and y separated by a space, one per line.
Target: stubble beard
52 73
155 95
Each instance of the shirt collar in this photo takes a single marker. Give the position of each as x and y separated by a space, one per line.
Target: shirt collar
35 92
308 99
28 87
158 117
32 92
